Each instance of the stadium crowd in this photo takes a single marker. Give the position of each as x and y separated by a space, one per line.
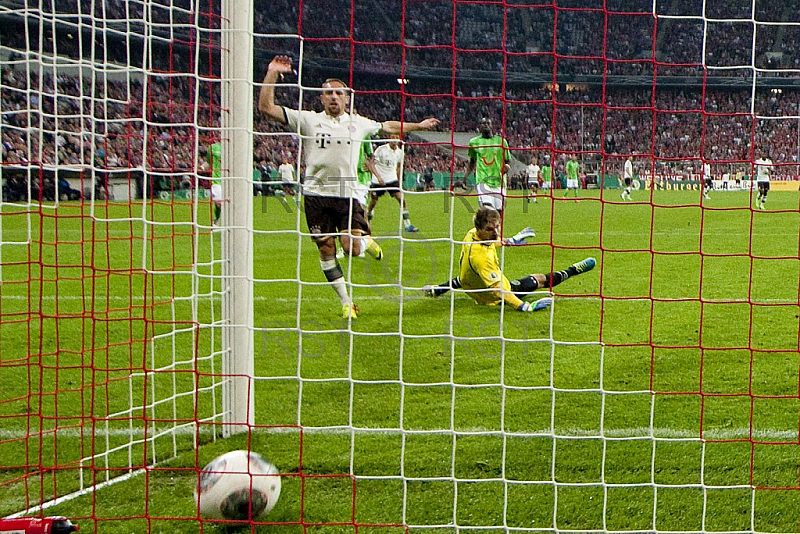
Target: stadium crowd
439 33
160 122
673 124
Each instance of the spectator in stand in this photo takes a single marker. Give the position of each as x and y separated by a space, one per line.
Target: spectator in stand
15 189
258 188
65 190
265 169
427 178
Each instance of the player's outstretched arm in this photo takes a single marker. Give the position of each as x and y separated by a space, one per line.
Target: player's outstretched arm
441 289
398 127
279 66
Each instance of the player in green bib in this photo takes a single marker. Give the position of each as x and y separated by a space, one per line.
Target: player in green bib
547 173
215 166
365 169
572 176
489 159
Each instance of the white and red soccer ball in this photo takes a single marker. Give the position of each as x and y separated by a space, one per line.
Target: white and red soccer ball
238 486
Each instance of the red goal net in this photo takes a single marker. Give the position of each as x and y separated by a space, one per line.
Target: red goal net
658 391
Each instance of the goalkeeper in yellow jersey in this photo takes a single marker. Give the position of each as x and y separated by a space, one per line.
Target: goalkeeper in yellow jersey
480 274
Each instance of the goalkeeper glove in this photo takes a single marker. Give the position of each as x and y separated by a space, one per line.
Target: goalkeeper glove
521 236
541 304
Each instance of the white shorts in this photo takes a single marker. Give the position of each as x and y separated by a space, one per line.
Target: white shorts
491 196
216 192
572 184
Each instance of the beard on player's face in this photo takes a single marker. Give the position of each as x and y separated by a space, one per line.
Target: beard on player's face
333 106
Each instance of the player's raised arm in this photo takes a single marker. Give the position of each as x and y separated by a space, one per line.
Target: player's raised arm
279 66
398 127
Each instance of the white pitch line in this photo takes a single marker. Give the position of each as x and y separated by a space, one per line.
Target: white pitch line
636 433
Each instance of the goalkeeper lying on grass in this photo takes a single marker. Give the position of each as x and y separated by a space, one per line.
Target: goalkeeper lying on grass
479 270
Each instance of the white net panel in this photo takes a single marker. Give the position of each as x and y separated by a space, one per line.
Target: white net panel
110 282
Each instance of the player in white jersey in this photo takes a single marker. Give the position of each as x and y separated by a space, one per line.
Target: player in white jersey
331 144
533 172
627 177
288 180
708 183
763 171
388 160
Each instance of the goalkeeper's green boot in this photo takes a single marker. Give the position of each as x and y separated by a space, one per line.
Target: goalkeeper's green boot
585 265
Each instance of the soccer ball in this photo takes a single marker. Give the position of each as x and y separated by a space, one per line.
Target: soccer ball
239 485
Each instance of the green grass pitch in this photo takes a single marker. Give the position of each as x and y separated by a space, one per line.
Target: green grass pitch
659 393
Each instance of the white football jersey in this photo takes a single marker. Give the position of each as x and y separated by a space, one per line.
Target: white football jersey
628 170
387 159
533 172
331 146
763 169
286 170
706 171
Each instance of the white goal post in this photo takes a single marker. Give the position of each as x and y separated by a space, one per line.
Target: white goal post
237 129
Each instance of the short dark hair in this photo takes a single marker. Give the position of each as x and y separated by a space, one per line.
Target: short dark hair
330 80
484 215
